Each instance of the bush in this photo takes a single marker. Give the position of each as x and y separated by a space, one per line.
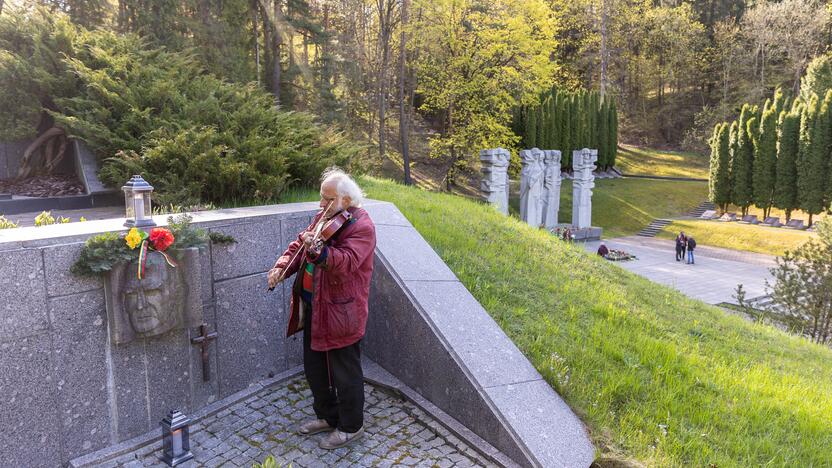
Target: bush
155 112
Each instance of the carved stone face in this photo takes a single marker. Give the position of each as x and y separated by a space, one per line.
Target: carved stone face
152 304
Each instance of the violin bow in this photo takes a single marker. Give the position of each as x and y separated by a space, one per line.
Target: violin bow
318 229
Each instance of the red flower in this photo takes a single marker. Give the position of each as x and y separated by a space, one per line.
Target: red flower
160 239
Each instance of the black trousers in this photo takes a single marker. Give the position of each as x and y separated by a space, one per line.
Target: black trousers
336 380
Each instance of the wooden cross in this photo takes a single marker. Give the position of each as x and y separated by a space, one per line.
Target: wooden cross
203 339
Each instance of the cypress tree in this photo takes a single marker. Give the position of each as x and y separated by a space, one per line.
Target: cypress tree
543 125
572 123
814 199
552 122
743 163
566 131
788 141
719 184
808 115
733 144
612 145
765 160
530 137
603 135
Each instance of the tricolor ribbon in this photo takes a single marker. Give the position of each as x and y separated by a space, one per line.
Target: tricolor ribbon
144 251
142 259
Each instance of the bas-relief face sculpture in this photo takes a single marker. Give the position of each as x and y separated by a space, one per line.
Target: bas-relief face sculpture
160 302
152 308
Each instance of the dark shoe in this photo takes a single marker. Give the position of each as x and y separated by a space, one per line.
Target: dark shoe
314 426
338 439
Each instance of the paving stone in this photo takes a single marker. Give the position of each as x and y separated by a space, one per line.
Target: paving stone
398 434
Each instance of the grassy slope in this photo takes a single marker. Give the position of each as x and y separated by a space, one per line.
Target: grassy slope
625 206
646 161
737 236
656 376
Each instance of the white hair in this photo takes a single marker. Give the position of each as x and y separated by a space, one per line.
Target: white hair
345 186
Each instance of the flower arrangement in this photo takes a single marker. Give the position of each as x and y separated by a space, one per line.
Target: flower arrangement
619 255
100 253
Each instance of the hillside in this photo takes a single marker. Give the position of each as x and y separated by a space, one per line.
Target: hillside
657 377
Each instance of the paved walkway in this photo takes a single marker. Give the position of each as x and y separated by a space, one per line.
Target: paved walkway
712 279
397 434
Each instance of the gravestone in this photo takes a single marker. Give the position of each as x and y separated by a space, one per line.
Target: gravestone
728 217
795 224
750 219
772 221
551 188
167 298
494 184
583 163
709 214
531 186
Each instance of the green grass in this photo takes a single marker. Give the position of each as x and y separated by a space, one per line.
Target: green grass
738 236
646 161
656 376
625 206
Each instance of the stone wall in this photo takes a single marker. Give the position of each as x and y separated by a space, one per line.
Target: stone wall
66 390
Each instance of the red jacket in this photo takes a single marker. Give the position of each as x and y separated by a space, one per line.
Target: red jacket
341 283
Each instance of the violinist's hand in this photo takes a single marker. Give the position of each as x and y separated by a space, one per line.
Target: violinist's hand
307 239
274 276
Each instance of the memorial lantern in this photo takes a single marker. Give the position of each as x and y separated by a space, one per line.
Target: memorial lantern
137 203
176 446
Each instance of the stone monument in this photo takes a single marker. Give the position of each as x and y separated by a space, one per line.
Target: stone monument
551 188
531 186
167 298
494 184
583 163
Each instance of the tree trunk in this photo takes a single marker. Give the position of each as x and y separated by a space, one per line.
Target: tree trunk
267 40
603 48
122 15
404 110
256 36
384 46
277 41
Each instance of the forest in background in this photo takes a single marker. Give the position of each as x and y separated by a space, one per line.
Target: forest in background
456 70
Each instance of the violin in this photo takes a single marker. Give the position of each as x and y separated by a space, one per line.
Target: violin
324 230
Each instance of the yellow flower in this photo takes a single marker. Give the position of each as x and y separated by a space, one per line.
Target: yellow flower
133 238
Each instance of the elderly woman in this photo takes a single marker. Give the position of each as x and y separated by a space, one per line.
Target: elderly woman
329 302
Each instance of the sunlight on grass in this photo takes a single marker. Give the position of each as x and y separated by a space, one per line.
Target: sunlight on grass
738 236
656 376
625 206
647 161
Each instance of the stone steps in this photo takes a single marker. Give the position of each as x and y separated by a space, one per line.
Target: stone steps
703 207
654 227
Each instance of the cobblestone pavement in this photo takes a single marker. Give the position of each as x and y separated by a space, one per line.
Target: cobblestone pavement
397 433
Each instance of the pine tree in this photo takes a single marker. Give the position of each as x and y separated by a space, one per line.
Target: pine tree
788 141
765 160
719 183
530 136
743 163
613 134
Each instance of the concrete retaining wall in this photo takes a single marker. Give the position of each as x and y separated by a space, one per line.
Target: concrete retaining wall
65 390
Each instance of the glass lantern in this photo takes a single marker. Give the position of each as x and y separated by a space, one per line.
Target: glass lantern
176 445
137 207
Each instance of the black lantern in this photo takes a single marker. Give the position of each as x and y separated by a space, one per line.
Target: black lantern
176 446
137 203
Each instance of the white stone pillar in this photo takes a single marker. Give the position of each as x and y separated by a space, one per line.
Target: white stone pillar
583 163
494 183
551 188
531 186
